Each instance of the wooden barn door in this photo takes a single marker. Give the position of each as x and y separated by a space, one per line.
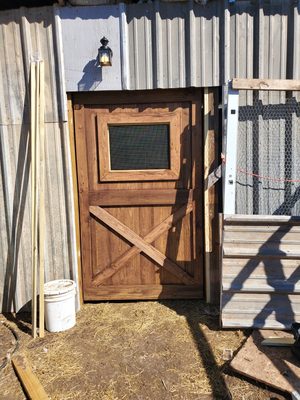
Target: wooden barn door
139 161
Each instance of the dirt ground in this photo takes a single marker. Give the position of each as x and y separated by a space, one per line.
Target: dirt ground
134 350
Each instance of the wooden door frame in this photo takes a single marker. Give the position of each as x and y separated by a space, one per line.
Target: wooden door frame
77 100
71 127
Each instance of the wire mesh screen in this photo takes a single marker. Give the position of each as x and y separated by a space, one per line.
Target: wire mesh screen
136 147
268 155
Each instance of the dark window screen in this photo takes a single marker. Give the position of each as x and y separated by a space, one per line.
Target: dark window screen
136 147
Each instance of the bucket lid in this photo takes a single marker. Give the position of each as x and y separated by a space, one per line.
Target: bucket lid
59 286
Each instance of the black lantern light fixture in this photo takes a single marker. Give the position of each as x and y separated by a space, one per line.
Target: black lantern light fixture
105 53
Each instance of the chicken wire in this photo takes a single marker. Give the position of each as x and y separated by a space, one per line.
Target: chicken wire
268 153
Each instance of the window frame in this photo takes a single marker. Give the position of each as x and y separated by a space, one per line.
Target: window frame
173 119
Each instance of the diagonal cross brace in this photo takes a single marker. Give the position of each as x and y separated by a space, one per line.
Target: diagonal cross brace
149 238
142 244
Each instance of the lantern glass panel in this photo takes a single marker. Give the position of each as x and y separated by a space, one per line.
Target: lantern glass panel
105 57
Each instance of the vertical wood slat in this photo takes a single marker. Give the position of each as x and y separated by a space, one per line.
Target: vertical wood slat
33 126
210 196
208 105
197 182
41 210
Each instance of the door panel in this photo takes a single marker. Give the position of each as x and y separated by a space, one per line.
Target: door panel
141 229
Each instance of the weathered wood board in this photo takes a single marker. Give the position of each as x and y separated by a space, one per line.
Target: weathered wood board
29 381
273 366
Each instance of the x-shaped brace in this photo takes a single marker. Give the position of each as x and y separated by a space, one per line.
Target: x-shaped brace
142 244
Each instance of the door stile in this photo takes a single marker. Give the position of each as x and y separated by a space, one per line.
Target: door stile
83 186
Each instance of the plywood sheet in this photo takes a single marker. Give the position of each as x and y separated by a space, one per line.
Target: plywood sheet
273 366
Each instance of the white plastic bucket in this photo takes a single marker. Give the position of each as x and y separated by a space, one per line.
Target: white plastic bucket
60 312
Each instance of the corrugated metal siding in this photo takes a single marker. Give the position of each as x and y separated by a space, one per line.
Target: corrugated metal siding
261 267
82 28
173 45
258 41
27 34
184 44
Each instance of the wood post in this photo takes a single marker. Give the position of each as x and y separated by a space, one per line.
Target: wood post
211 161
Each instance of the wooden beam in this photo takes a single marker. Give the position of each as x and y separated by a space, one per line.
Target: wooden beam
28 379
265 84
140 96
149 238
145 247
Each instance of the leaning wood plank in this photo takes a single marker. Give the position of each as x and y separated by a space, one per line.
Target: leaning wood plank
278 341
41 201
149 238
265 84
275 367
145 247
36 188
29 381
33 87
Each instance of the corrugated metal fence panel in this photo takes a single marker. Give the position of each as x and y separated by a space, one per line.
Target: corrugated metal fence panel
16 216
239 45
260 277
259 39
26 34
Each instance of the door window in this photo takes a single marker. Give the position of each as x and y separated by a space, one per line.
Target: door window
139 146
